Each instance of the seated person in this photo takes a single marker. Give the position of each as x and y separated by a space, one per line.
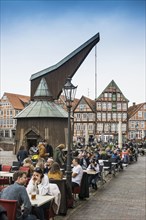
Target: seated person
17 191
42 187
93 178
77 173
40 163
28 163
116 158
54 172
84 161
48 164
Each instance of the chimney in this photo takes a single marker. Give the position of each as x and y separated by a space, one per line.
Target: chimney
134 103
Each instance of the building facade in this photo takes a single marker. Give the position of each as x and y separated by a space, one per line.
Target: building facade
84 118
10 106
137 121
100 118
111 107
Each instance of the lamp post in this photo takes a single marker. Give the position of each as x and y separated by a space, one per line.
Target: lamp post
69 92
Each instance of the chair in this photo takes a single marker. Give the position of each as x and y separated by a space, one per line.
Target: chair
49 213
10 206
76 190
6 168
5 180
15 166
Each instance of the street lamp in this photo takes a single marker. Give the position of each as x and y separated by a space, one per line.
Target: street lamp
69 92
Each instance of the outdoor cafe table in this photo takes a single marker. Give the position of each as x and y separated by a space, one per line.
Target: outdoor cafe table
6 174
41 200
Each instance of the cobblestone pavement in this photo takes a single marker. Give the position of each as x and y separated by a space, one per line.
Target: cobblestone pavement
122 198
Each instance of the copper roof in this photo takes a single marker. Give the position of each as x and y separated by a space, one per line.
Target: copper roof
17 101
41 109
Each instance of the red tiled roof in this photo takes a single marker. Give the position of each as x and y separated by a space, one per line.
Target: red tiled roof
90 102
133 109
17 101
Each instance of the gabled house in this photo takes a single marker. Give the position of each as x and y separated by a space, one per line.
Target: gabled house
111 107
10 105
84 117
137 121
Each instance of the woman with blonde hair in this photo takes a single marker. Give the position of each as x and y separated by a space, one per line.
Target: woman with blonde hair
27 162
54 172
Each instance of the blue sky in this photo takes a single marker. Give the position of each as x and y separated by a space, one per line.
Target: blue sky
38 34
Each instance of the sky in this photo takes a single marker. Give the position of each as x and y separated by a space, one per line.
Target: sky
35 35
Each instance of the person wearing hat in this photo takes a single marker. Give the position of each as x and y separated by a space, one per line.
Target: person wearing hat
59 155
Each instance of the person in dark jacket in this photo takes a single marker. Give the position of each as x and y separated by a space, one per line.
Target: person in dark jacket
59 155
22 154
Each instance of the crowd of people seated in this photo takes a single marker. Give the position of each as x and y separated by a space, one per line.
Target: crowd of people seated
49 165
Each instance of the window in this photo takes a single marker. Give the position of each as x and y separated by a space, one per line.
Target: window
123 127
144 115
7 133
110 95
81 107
124 116
114 116
132 124
90 127
100 127
104 105
78 127
17 112
119 115
103 116
99 116
1 133
113 127
109 116
118 106
140 114
114 96
84 115
114 107
91 116
105 94
78 115
142 124
124 106
109 105
98 104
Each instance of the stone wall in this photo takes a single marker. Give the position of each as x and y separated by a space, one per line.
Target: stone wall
6 146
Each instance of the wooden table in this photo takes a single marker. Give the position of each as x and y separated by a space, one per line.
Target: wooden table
41 200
